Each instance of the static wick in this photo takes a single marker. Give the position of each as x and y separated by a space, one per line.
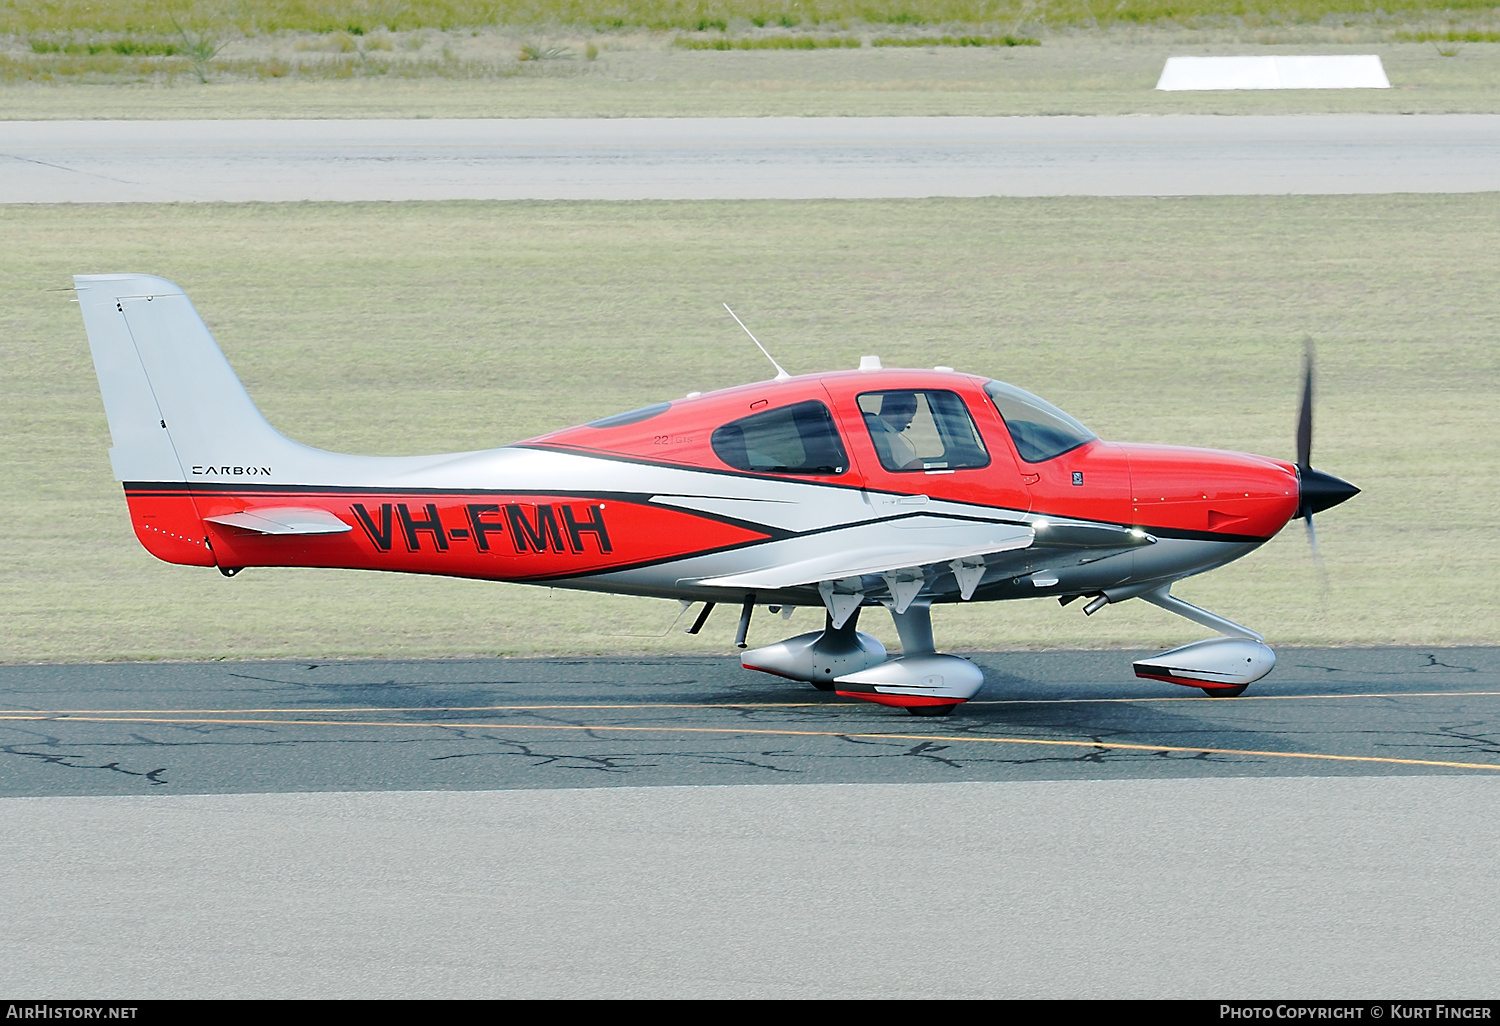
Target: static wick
781 373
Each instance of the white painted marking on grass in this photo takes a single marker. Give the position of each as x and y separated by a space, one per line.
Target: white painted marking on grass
1361 71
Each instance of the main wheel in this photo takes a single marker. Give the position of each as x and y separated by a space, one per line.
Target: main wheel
931 710
823 685
1234 692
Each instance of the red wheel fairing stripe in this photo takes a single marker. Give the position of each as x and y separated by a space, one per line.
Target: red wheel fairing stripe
900 701
1185 681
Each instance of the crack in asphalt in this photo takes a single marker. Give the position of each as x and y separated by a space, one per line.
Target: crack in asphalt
600 763
555 753
202 728
1467 742
1432 663
63 759
1432 660
926 752
450 688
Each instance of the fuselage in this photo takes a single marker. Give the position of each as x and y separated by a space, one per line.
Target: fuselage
658 501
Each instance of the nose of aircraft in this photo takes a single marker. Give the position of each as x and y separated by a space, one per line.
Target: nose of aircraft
1320 491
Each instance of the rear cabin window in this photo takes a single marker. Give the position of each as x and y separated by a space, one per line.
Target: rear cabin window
922 430
1040 430
798 439
632 417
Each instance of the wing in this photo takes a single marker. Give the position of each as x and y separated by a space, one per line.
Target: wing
914 543
909 553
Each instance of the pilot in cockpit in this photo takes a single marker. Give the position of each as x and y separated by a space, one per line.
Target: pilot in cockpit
887 430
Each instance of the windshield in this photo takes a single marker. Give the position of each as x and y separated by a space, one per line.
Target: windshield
1040 430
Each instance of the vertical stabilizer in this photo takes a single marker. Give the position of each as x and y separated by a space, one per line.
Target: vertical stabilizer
174 404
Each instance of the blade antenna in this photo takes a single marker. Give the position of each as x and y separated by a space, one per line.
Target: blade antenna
781 373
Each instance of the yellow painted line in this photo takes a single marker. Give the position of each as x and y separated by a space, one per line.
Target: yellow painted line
449 708
1108 745
1241 698
1227 703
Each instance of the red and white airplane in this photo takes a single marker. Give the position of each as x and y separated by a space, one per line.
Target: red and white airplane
846 490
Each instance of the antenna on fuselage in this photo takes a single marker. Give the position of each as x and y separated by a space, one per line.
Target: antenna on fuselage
781 373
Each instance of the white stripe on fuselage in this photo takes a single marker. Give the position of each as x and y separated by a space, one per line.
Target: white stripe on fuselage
784 505
822 517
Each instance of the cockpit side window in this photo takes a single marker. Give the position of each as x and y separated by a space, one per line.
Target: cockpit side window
796 439
1040 430
922 430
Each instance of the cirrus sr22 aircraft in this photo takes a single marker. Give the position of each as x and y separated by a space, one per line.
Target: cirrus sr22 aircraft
842 491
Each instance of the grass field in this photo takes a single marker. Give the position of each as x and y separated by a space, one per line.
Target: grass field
612 58
416 327
1112 73
362 17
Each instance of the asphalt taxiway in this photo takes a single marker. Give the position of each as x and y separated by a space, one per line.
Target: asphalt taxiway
745 158
216 728
481 829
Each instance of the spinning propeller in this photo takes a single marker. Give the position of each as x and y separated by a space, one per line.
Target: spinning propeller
1317 491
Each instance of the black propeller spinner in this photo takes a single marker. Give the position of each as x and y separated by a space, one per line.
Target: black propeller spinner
1317 491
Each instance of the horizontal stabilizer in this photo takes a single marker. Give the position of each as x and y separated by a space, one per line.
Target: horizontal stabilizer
284 521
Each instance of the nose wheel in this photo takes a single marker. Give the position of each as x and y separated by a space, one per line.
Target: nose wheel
1234 692
931 710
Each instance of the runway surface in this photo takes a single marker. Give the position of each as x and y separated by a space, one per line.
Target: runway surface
214 728
1073 833
744 158
1339 887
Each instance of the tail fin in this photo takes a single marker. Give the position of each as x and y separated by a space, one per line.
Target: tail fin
175 407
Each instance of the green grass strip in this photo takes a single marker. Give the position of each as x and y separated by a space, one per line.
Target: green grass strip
262 17
955 41
126 47
1449 37
771 43
848 42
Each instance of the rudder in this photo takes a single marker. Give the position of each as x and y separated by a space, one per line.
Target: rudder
175 407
